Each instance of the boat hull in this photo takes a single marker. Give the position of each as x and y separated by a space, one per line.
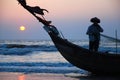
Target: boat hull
94 62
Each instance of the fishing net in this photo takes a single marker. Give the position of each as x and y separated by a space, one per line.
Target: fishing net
109 38
110 44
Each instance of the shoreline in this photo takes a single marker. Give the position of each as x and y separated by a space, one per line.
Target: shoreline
52 76
34 76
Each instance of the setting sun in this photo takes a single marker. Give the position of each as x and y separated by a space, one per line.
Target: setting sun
22 28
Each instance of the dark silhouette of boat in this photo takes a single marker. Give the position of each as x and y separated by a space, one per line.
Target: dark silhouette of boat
95 62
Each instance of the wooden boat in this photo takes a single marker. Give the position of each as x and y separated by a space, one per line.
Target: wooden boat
94 62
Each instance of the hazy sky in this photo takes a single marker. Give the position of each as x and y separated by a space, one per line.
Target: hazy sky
71 17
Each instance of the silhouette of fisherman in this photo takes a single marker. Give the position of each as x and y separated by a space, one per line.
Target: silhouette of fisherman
94 34
35 10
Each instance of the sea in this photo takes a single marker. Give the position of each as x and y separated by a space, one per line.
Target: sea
42 56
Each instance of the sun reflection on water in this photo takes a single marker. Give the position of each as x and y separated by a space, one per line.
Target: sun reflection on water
21 77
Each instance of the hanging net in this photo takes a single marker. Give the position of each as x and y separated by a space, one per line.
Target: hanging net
110 44
108 38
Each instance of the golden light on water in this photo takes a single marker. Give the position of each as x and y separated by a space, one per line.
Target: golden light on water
21 77
22 28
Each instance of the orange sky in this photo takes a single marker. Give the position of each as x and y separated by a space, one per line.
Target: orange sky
64 13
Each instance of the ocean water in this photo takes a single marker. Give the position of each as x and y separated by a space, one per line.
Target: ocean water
40 57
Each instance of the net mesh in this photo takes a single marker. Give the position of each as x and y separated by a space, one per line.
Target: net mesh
110 44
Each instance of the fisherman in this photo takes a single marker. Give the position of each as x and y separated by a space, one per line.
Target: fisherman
94 34
33 10
37 10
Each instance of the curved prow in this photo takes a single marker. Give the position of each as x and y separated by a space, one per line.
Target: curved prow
52 29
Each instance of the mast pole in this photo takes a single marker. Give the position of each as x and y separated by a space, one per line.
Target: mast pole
116 41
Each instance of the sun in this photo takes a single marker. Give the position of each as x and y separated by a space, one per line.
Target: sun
22 28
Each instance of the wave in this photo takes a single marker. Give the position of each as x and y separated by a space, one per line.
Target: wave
27 47
39 67
20 49
22 46
35 64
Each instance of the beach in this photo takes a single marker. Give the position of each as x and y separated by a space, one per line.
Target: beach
34 76
52 76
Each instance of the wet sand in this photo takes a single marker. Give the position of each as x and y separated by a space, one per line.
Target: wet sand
50 76
34 76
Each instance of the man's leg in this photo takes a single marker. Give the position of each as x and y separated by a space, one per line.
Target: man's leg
96 46
91 45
